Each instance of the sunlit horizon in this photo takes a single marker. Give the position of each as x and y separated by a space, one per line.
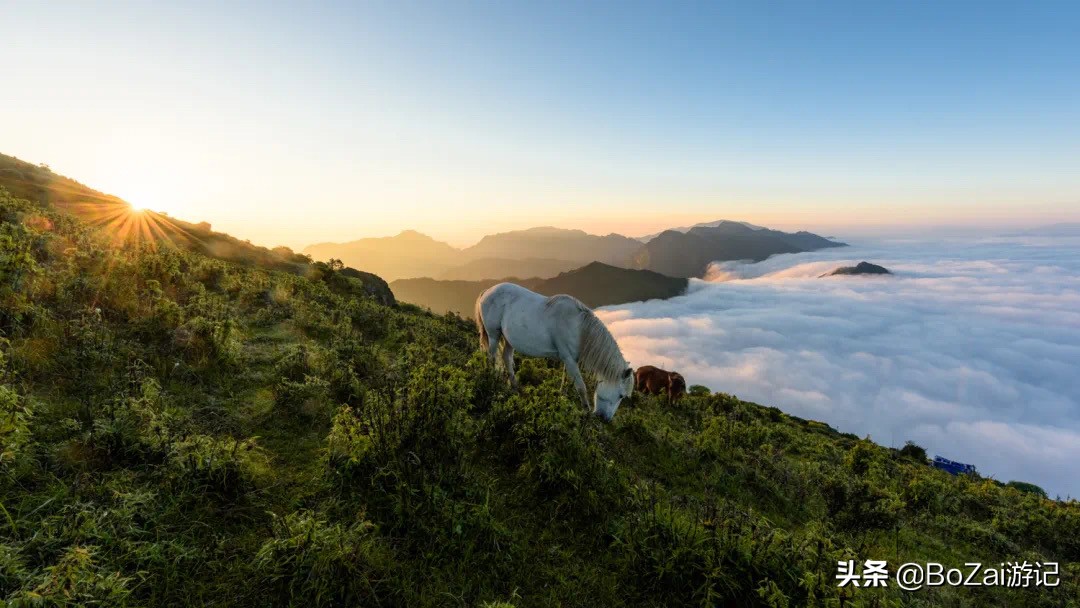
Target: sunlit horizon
990 221
298 127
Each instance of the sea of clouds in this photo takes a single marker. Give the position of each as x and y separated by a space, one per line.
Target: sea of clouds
971 349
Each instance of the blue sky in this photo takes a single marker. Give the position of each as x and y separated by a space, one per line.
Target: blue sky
301 123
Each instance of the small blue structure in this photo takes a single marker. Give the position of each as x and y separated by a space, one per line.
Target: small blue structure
952 467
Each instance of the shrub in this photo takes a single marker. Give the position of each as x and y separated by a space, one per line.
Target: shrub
204 340
13 570
227 469
1027 488
719 556
309 562
557 445
697 390
306 400
15 415
931 491
77 579
913 452
408 436
856 505
347 446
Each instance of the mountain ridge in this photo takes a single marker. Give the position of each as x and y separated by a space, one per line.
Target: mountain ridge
713 223
671 252
596 284
486 268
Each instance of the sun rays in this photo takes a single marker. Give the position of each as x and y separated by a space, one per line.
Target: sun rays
131 225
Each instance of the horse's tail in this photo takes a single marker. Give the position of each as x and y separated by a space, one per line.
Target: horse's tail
478 313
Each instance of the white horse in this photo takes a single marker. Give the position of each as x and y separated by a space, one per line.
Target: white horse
559 327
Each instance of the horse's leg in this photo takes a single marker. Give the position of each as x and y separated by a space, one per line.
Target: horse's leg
579 382
493 346
508 363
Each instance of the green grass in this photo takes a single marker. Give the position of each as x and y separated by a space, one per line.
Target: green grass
178 430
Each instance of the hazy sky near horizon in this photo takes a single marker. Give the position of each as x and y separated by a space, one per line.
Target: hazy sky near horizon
294 124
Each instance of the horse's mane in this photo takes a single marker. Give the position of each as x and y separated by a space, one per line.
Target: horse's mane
598 351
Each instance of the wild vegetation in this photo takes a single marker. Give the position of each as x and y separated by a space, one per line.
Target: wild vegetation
179 430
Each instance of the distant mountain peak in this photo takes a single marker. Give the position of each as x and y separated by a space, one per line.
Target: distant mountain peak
712 224
549 250
414 235
687 254
550 229
539 231
592 266
860 268
555 243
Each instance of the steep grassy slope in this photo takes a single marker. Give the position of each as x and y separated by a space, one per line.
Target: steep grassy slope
594 284
118 225
180 430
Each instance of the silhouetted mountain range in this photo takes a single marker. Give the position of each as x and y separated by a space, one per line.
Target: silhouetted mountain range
555 243
688 254
544 252
486 268
408 254
595 284
649 237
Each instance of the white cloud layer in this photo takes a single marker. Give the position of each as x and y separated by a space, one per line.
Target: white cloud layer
972 348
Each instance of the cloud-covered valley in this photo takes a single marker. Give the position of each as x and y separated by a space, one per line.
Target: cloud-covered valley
972 348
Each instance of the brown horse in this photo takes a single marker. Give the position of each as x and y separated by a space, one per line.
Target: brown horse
654 381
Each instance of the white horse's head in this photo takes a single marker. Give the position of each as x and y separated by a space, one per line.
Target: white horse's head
610 393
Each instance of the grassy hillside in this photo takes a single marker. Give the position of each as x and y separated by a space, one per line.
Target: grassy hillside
594 284
181 430
119 226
